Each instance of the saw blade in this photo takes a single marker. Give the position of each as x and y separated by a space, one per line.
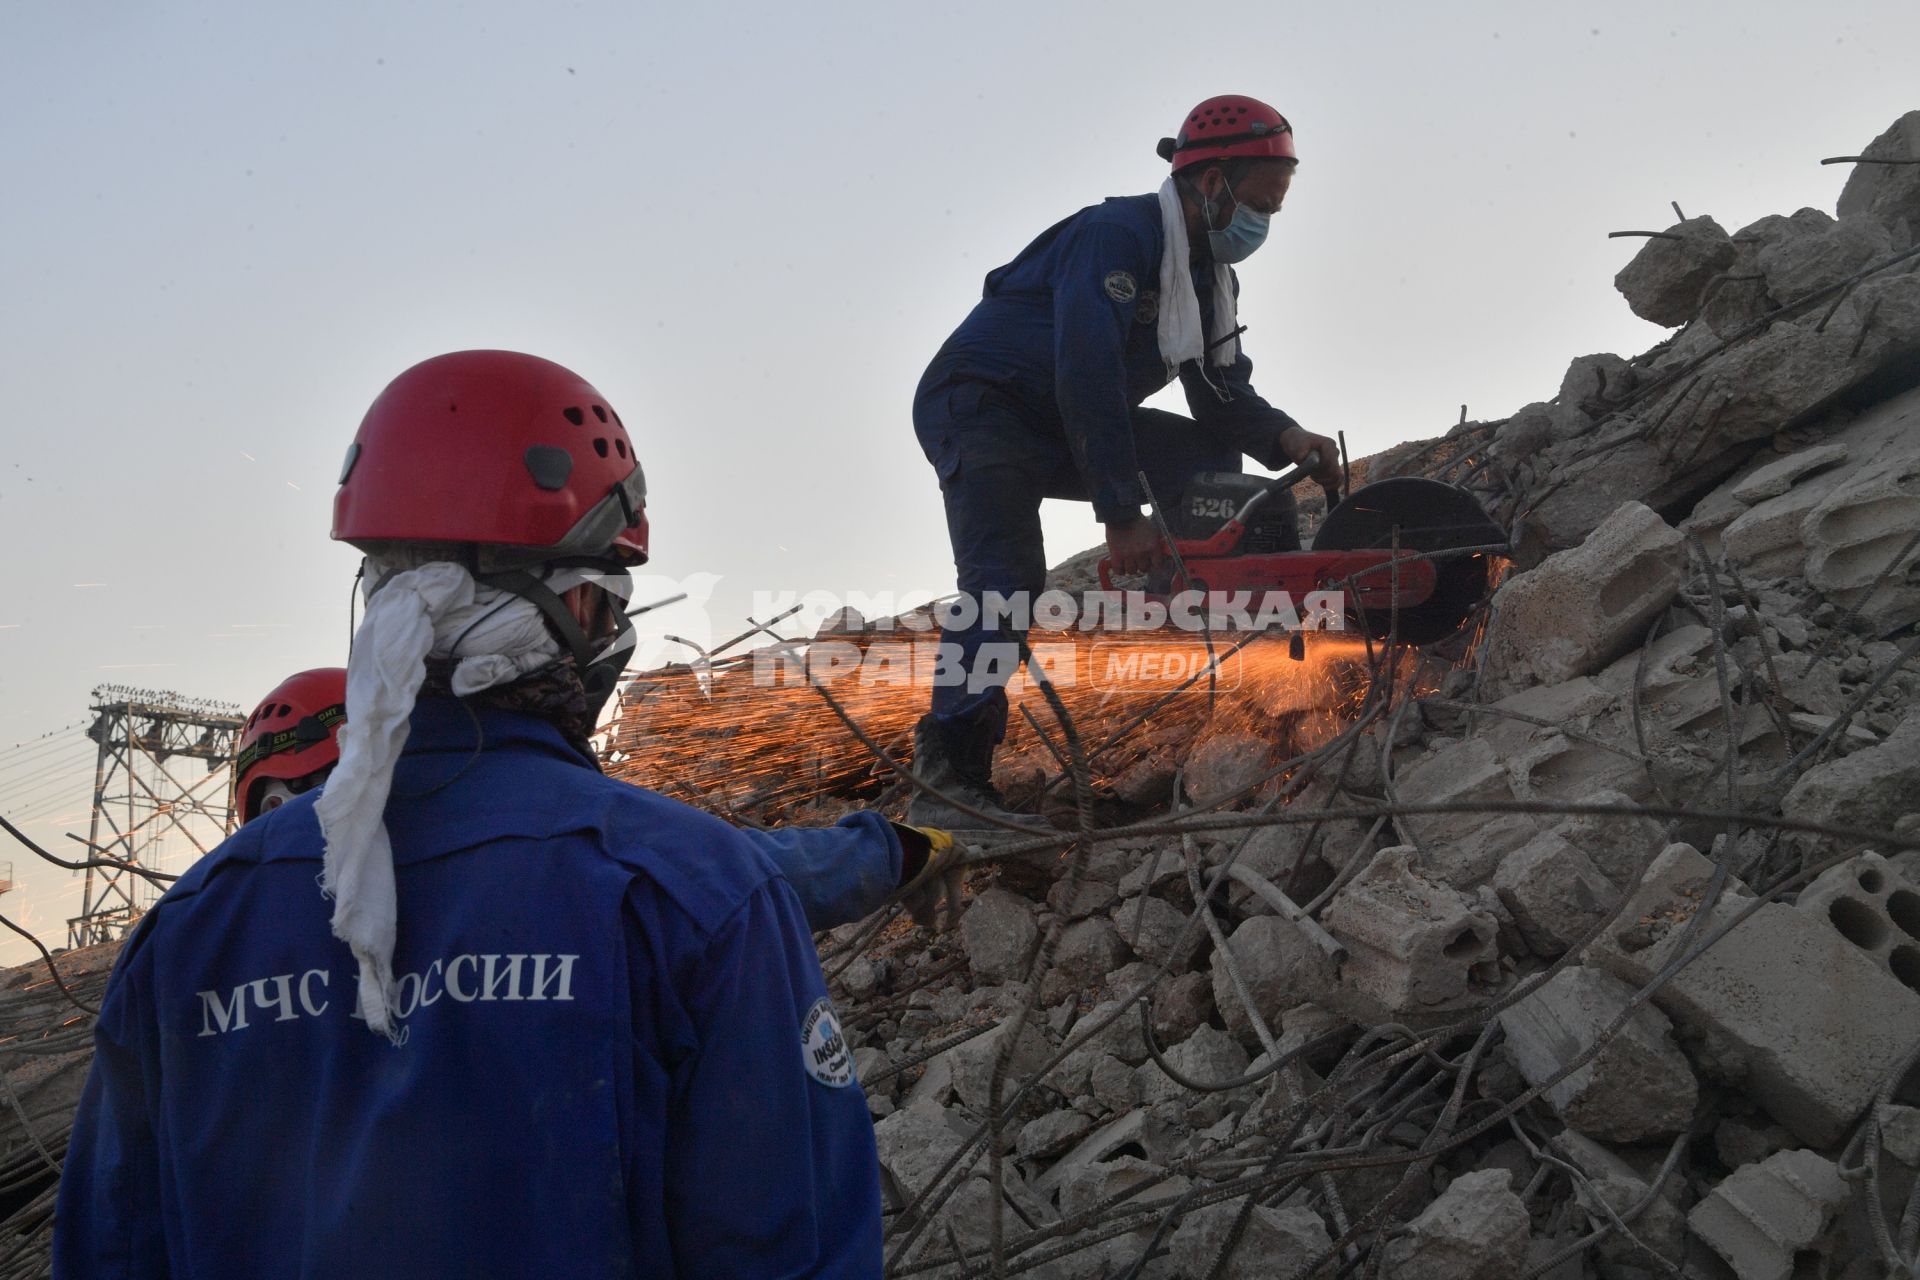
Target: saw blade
1430 516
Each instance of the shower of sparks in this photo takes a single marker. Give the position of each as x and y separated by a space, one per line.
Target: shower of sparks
764 748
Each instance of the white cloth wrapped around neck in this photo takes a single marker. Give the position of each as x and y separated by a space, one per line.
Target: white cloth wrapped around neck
1182 336
414 609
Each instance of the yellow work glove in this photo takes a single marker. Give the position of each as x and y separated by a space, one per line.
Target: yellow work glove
938 881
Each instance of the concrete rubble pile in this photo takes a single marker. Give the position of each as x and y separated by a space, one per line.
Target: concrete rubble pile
1604 1016
1564 998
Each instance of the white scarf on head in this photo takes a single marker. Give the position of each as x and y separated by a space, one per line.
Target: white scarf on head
1182 336
415 610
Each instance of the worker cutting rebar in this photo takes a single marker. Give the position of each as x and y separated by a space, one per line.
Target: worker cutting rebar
1038 394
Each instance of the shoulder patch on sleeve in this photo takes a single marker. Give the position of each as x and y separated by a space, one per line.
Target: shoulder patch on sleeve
1121 286
823 1048
1147 310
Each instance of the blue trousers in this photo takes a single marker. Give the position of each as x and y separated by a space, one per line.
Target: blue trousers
995 466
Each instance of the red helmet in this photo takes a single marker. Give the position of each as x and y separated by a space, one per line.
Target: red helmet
294 732
508 452
1229 125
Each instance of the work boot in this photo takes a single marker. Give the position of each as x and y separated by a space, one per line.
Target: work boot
964 770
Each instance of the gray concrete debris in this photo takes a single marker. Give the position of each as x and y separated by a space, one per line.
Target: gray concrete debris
1580 609
1413 944
1825 255
1889 193
1476 1230
1135 1130
1638 1087
914 1142
1225 761
1757 1009
1856 531
1089 950
1094 1183
1051 1135
1875 908
1872 789
1767 538
1277 1244
1181 1004
971 1064
1775 478
1665 280
1615 1184
1554 892
1619 846
1460 849
1151 926
1207 1055
1762 1214
999 935
1280 966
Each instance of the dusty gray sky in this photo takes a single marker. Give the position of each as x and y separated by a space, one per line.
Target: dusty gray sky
228 225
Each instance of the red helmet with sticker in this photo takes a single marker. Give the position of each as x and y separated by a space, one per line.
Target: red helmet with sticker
510 453
1229 125
293 734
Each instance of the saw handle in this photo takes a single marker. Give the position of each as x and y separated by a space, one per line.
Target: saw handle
1234 527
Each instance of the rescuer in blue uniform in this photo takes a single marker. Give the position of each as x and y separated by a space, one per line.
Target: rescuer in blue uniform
472 1008
291 741
1037 394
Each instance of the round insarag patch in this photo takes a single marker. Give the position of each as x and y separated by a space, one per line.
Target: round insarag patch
1121 286
823 1048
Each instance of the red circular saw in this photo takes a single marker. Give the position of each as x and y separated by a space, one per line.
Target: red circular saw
1408 597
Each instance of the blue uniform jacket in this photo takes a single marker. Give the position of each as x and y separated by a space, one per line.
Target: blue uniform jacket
1069 329
619 1059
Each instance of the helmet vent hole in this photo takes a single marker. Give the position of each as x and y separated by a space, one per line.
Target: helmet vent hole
600 412
600 446
620 447
572 414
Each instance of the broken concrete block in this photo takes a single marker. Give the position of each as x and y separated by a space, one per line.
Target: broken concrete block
1636 1088
1889 193
1151 926
1618 846
914 1143
1097 1183
1208 1055
1766 539
1775 478
1554 892
1053 1134
1135 1131
1226 761
1856 531
1114 1082
1757 1009
1665 280
1762 1214
999 936
1461 849
1873 907
1872 788
1477 1229
1281 968
1180 1004
1594 384
1413 944
1617 1185
1799 265
1579 609
1088 951
1583 492
972 1063
1277 1244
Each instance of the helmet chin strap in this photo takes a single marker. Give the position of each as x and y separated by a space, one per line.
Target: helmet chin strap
599 671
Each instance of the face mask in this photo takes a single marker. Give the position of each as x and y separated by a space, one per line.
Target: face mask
1244 233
